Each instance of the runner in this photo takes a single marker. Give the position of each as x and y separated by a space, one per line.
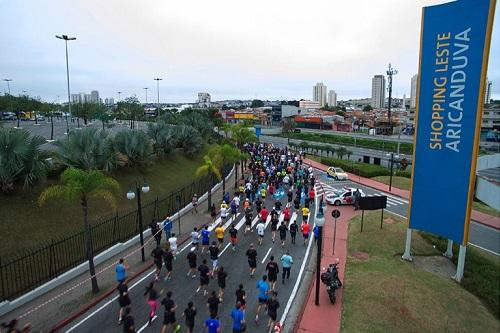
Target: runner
296 203
277 206
205 239
221 281
246 204
121 271
306 229
173 244
272 272
293 230
123 300
155 231
213 325
305 214
157 255
233 232
263 214
263 287
241 297
286 215
152 296
274 223
167 227
195 237
192 258
213 304
223 212
261 227
258 205
238 317
214 256
128 322
234 209
219 233
282 229
286 263
252 259
169 314
190 314
168 257
204 278
248 220
213 212
236 200
194 202
272 309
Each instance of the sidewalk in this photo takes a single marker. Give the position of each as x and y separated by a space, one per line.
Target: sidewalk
67 300
488 220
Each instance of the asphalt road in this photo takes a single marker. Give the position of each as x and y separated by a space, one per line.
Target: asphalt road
103 318
480 235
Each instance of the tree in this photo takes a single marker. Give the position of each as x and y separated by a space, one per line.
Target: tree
132 146
367 107
83 185
130 109
208 169
100 113
223 155
189 139
21 159
83 110
332 150
163 137
242 135
288 127
348 153
341 152
257 103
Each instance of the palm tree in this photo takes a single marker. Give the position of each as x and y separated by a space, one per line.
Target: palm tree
303 145
163 137
348 153
132 146
333 150
341 152
83 185
189 139
242 135
208 168
21 159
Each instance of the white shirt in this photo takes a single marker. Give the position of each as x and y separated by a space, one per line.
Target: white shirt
248 186
237 201
260 228
286 179
173 243
194 237
223 212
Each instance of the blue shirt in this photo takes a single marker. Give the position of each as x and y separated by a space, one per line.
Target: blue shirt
237 316
263 288
212 324
205 235
120 272
167 225
286 261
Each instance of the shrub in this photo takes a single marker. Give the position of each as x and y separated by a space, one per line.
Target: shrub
363 169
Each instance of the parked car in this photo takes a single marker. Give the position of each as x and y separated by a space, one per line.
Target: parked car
344 196
337 173
9 116
297 130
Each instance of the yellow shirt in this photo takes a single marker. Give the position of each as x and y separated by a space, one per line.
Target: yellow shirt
305 211
219 232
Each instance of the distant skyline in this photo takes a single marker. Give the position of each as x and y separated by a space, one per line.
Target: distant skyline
230 49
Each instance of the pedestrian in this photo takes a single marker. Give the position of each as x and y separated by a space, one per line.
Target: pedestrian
286 264
272 309
213 304
204 278
316 233
190 314
157 255
282 230
274 224
286 215
311 194
263 214
194 202
173 244
241 297
277 206
263 288
205 239
213 324
234 210
227 197
296 203
121 271
248 220
219 233
214 256
223 212
195 237
357 198
169 314
233 233
306 229
261 227
246 204
168 257
272 271
123 300
213 212
252 259
238 317
192 258
305 214
155 231
293 231
221 281
167 227
258 205
152 296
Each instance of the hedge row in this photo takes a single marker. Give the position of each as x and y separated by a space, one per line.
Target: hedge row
405 147
363 169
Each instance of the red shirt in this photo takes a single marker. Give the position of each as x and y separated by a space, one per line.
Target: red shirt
264 213
305 228
311 194
286 213
271 189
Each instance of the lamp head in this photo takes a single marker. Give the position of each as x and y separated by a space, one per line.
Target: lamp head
130 195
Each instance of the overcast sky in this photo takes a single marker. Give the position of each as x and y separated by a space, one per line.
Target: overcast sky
230 48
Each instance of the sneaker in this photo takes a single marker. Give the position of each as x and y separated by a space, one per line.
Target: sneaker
256 318
198 290
194 276
205 293
187 274
177 329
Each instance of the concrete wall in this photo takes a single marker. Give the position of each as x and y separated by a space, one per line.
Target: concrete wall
488 192
488 162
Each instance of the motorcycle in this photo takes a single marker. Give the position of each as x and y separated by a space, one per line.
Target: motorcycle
331 279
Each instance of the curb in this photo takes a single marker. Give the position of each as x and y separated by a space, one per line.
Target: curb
307 295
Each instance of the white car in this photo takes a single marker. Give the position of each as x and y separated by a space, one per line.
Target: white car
344 196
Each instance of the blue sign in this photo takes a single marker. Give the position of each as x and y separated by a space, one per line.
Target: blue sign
258 131
454 53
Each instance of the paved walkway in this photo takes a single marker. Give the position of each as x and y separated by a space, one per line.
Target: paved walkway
486 219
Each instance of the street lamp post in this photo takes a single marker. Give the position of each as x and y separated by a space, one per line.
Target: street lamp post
392 167
158 79
66 39
10 100
131 195
390 72
119 96
146 90
320 222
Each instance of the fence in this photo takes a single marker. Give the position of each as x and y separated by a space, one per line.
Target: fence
24 272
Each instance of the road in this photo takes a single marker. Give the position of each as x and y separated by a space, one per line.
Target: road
105 315
480 235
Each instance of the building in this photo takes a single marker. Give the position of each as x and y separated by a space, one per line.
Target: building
87 98
487 93
309 105
413 91
319 93
109 101
332 98
491 117
94 96
378 91
203 100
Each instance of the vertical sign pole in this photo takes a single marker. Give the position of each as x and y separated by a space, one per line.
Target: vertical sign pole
362 217
334 234
460 265
449 249
407 254
382 218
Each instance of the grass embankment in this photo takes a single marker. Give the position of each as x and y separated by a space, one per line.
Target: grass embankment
397 181
484 208
25 224
385 294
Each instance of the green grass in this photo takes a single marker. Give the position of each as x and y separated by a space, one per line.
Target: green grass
386 294
25 224
397 181
484 208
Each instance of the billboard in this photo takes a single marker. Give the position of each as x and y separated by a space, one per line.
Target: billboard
454 49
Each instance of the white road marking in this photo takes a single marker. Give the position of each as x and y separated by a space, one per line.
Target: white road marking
146 325
267 221
482 248
224 250
265 257
254 222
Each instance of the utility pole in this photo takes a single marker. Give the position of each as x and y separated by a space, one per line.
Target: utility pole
10 100
66 39
390 72
119 96
158 79
146 90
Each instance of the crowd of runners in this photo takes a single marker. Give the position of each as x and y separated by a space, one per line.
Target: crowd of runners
272 174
